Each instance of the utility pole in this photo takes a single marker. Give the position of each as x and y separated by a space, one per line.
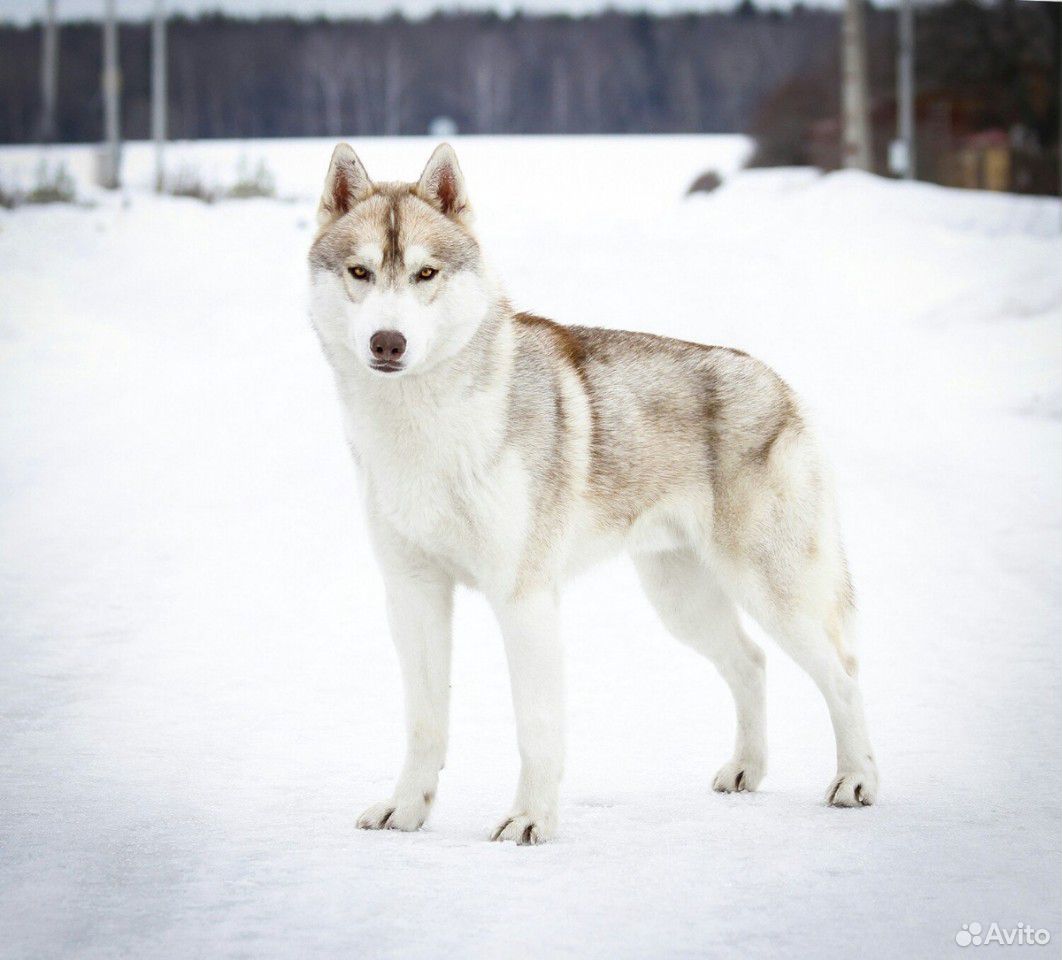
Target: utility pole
158 92
49 72
905 98
112 156
855 144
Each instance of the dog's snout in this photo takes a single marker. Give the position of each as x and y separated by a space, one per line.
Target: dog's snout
387 346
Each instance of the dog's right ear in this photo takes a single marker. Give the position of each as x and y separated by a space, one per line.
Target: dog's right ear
443 185
346 184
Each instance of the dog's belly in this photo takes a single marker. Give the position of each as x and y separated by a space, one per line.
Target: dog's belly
660 528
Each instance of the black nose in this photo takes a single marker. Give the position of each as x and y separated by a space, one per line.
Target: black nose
387 346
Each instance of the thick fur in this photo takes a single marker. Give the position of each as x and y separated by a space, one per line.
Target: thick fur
508 452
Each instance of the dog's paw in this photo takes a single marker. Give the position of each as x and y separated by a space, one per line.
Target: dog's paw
394 815
738 776
858 789
525 829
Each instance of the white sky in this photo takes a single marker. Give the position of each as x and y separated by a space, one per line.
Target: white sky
22 11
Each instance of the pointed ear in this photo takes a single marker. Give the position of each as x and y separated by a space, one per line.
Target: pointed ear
346 184
443 185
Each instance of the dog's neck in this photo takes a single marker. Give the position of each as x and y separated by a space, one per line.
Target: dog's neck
463 396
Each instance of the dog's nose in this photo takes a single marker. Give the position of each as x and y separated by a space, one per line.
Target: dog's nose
387 346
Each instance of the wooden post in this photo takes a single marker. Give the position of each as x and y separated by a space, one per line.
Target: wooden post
49 72
158 92
905 95
855 145
112 156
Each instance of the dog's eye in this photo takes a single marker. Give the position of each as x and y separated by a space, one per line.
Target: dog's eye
427 273
359 273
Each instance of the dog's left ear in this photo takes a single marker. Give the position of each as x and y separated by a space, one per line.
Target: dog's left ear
443 185
346 184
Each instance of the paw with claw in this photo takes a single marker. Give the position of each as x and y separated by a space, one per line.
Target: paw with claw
396 815
525 829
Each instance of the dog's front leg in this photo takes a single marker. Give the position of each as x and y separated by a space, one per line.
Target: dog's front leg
419 611
536 671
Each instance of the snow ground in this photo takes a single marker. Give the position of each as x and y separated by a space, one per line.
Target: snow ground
199 696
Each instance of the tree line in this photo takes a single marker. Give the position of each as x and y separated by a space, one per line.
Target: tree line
606 73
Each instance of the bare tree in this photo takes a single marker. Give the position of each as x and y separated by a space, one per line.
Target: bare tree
393 90
560 113
326 70
491 84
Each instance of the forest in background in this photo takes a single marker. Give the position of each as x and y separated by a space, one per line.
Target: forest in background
747 70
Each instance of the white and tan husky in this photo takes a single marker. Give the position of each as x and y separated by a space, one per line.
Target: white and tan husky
503 451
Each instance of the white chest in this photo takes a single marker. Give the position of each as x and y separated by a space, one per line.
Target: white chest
447 486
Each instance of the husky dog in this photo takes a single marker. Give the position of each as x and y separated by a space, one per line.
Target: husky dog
504 451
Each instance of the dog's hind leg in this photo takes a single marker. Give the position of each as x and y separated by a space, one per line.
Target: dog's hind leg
696 611
802 598
818 645
781 558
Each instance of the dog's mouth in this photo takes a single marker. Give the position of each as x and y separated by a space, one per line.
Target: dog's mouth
386 366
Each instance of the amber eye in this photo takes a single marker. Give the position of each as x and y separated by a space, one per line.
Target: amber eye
359 273
427 273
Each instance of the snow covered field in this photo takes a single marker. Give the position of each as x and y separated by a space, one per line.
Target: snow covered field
198 695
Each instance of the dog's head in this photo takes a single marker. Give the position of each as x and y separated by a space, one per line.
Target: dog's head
397 278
